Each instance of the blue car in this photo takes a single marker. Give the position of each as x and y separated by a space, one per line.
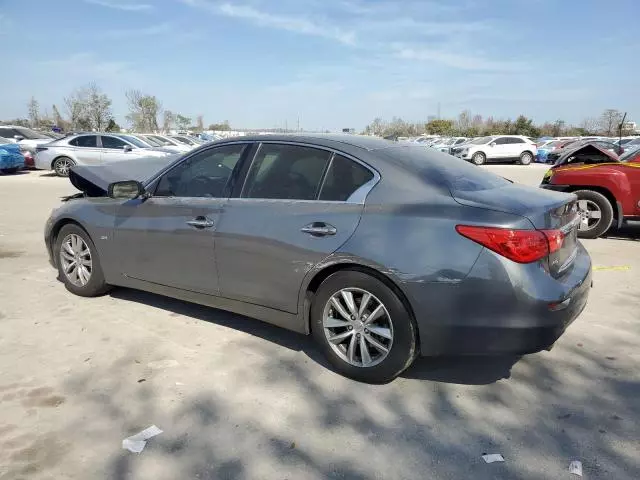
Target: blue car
11 158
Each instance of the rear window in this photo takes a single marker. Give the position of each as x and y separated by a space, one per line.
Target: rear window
446 171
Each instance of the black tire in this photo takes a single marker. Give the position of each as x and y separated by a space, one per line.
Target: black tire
404 344
525 158
479 158
96 285
606 213
59 167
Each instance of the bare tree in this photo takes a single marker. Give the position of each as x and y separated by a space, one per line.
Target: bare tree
610 121
143 111
34 113
464 121
200 123
77 106
590 125
98 107
168 121
378 126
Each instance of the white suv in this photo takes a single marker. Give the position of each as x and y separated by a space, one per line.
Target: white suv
498 148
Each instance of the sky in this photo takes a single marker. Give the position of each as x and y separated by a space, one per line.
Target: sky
327 64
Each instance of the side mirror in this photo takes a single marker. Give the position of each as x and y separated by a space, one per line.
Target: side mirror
127 148
18 138
128 189
492 144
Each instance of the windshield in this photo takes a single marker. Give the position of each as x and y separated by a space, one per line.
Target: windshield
481 141
184 140
29 134
151 141
163 141
135 141
631 151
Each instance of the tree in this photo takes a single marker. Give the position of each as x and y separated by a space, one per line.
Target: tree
76 105
182 122
98 107
57 118
558 128
199 124
143 111
464 122
34 113
524 126
610 122
168 120
220 127
589 126
112 126
439 127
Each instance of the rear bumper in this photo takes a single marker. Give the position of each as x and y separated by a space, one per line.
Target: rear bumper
516 309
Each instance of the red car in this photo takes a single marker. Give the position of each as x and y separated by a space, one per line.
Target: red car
607 186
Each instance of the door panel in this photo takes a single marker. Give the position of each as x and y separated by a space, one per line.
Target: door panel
500 149
158 242
262 254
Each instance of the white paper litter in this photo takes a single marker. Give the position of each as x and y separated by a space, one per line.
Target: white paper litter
575 467
492 457
137 442
160 364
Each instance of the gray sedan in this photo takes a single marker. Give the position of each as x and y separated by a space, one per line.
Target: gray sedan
382 251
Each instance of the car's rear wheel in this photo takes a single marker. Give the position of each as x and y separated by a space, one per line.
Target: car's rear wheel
78 262
525 158
596 214
62 165
479 158
362 327
9 171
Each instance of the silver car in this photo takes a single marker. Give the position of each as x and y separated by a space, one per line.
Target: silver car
168 142
382 251
92 149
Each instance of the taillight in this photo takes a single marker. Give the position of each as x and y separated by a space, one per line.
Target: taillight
521 246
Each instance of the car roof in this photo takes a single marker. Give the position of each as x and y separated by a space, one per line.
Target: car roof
328 140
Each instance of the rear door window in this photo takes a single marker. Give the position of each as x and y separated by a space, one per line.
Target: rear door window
86 141
290 172
113 142
343 178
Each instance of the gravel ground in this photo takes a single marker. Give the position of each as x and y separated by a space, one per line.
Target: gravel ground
237 398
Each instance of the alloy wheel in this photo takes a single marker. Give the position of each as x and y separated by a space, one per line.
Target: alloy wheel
75 258
62 166
358 327
590 215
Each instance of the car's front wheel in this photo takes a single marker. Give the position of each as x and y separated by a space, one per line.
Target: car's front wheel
596 213
78 262
362 327
479 158
62 165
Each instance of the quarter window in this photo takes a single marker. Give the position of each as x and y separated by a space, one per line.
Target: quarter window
205 174
87 141
343 178
289 172
113 142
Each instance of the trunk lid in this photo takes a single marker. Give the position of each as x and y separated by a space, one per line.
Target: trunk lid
545 209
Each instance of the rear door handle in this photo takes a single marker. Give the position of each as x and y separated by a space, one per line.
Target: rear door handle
319 229
200 222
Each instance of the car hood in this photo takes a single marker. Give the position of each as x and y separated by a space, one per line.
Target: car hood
95 180
587 149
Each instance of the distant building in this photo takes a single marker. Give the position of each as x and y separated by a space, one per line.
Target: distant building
348 130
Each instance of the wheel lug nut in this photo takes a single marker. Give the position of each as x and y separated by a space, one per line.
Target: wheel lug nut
352 317
366 330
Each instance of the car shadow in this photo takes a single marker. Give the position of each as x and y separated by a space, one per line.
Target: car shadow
467 370
630 231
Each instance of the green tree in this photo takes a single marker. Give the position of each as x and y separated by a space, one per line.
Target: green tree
112 126
439 127
143 111
220 127
182 122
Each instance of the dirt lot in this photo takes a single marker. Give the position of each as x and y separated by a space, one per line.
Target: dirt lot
240 399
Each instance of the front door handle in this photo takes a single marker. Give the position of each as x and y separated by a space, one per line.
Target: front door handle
200 222
319 229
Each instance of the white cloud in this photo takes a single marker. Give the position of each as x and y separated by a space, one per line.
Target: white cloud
459 61
290 23
152 30
118 5
88 66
